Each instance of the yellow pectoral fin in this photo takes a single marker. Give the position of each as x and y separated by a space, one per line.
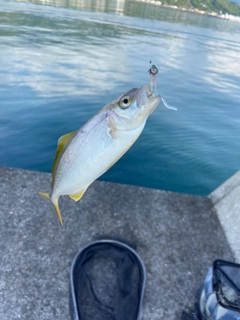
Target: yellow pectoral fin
55 204
62 142
77 196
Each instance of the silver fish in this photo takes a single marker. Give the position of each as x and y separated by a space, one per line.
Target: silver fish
84 155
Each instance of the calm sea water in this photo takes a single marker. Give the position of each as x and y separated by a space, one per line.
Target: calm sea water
61 61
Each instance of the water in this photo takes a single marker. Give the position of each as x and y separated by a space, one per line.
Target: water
61 61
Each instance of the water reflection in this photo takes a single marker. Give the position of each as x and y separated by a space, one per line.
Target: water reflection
142 10
107 6
224 66
77 54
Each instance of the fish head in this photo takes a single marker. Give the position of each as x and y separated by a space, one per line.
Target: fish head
133 107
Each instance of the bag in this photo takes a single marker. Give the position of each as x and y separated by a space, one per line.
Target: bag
219 296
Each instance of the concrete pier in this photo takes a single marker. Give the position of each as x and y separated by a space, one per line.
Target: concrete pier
178 236
226 200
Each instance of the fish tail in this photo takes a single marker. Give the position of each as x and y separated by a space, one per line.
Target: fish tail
55 204
44 195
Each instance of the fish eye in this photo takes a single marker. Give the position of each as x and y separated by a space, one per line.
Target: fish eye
125 102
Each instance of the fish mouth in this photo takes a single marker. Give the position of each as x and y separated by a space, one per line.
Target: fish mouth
147 100
149 91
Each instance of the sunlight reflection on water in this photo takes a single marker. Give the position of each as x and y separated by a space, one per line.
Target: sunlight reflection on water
62 61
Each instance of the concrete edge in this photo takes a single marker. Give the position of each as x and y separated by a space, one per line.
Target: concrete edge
226 188
226 201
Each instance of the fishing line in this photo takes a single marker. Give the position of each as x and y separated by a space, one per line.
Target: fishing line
152 28
153 71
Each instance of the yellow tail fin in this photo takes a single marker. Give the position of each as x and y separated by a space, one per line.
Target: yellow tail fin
55 204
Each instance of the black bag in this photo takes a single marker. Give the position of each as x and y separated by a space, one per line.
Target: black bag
219 295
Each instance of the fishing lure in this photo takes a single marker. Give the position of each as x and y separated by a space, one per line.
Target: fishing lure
153 71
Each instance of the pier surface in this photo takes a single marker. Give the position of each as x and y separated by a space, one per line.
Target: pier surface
178 236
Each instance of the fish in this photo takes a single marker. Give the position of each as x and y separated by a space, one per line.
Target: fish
84 155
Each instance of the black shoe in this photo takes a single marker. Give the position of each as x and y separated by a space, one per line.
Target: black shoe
107 282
